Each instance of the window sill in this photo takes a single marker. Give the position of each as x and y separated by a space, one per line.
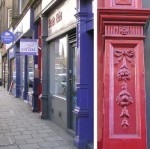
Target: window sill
59 97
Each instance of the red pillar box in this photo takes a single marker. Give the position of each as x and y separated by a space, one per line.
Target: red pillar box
121 88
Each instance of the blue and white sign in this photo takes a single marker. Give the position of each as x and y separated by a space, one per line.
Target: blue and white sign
28 46
7 37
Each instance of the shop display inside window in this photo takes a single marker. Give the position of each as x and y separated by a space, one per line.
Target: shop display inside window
6 72
13 71
58 73
30 71
22 59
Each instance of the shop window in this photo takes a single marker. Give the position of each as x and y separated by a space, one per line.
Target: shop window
9 17
13 71
58 67
146 3
22 61
6 72
93 6
22 4
30 72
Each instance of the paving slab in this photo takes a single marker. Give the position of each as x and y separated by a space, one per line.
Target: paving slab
20 128
5 141
10 147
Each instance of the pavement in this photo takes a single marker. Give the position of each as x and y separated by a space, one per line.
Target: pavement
20 128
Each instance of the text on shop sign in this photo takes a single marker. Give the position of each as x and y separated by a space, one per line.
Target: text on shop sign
55 19
28 46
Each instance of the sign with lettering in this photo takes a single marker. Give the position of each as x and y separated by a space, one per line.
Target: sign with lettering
28 46
55 19
62 17
7 37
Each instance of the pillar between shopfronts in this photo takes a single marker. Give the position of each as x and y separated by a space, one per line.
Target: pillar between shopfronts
25 90
9 81
83 110
44 98
36 79
39 64
120 32
7 85
18 87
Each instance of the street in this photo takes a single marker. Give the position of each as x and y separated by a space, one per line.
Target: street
20 128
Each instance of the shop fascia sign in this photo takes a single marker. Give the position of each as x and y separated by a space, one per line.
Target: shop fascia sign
23 26
62 17
28 46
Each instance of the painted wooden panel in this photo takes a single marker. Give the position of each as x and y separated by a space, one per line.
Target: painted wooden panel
120 3
124 95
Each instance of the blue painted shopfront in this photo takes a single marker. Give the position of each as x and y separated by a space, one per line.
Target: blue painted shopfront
22 62
59 106
85 97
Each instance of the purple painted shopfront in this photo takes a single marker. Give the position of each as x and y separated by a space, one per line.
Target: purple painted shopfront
67 55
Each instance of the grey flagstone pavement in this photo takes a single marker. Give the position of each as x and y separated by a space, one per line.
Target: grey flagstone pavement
20 128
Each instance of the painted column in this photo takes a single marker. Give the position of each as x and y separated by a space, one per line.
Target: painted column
39 63
36 79
121 75
44 98
8 71
84 109
39 66
147 78
18 87
25 91
8 78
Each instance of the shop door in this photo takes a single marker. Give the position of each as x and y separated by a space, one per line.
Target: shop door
72 86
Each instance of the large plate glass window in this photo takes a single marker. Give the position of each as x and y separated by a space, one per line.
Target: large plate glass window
22 60
13 71
58 67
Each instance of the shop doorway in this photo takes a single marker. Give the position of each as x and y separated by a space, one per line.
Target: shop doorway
72 89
